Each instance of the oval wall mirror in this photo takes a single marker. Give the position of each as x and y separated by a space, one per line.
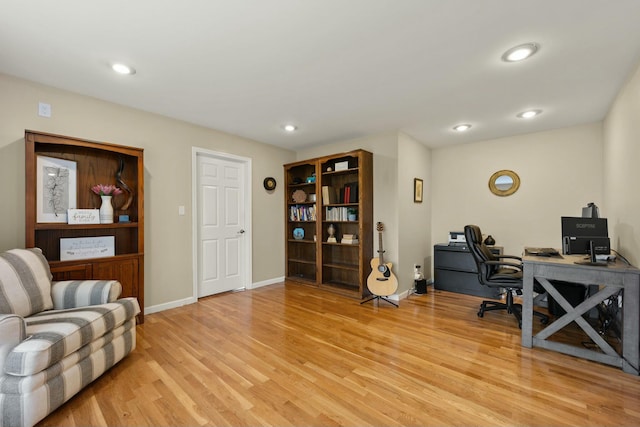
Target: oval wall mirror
504 183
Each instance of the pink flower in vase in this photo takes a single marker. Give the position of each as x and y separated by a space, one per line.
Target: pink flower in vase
106 190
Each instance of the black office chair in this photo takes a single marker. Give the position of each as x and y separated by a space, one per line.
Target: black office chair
498 271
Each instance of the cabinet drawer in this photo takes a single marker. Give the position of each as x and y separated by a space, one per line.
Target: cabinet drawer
71 272
454 260
125 271
462 282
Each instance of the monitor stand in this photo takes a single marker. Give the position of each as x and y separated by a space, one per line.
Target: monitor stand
592 257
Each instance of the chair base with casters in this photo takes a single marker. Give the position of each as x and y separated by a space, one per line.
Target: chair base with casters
511 307
497 271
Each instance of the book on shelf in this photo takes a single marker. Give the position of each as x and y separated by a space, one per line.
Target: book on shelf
328 195
344 194
336 213
349 239
302 213
349 193
353 192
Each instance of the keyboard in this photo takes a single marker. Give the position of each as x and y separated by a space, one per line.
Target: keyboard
542 251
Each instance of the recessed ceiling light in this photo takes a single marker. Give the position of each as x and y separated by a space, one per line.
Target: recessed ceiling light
123 69
462 127
520 52
529 114
290 128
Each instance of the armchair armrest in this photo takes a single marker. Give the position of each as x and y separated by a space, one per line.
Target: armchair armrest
517 266
509 257
12 333
81 293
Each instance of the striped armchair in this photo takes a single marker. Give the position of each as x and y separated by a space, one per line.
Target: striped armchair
55 337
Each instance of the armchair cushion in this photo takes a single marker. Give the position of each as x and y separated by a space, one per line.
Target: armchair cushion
54 335
81 293
25 282
113 345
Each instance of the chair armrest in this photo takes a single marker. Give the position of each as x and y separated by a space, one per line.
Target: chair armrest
505 263
509 257
82 293
12 333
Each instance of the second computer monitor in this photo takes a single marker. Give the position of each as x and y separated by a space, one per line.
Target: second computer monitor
579 234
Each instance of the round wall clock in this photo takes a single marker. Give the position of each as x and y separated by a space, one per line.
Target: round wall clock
269 183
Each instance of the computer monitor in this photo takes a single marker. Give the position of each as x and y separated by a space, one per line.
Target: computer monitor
579 235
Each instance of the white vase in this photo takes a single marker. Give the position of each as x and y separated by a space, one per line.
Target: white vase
106 210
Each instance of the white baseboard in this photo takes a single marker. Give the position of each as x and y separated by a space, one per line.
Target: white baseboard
170 305
267 282
192 300
398 297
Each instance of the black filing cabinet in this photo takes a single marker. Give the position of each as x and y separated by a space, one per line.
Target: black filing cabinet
455 270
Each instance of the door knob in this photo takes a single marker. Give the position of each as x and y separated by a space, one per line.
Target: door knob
241 231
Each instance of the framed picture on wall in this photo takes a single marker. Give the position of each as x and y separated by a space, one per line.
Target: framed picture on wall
417 190
55 188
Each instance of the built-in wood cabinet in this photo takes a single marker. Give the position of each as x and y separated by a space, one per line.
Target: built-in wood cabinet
331 193
95 163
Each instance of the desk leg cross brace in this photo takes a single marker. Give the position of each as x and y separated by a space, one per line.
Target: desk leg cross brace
378 297
628 361
575 314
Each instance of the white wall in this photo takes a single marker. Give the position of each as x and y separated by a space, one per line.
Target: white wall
167 156
560 172
414 238
622 170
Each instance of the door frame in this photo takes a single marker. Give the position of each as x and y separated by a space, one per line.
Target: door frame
195 153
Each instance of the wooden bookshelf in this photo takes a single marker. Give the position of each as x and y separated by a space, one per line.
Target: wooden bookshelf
332 265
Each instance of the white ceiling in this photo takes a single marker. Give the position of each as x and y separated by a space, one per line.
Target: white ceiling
338 69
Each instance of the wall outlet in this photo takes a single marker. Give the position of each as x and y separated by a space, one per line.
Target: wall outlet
44 109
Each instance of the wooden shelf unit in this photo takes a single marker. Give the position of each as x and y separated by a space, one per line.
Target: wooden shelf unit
334 266
96 163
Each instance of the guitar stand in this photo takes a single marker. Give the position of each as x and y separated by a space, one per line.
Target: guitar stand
378 297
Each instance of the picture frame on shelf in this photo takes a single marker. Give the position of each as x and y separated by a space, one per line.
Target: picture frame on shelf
341 166
87 247
417 190
56 188
83 216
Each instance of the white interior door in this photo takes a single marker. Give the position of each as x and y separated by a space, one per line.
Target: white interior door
221 232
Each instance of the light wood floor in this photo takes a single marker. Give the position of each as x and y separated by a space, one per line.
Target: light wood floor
286 355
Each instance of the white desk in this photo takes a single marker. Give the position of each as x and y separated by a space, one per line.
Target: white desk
611 279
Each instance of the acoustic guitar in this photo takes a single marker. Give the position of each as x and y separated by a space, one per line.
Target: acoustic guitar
381 281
